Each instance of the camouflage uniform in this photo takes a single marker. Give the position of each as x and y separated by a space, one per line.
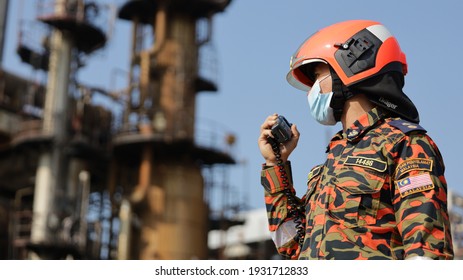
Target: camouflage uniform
381 194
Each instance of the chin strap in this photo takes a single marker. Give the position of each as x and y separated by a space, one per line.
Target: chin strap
340 94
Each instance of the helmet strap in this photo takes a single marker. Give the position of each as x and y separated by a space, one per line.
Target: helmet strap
340 94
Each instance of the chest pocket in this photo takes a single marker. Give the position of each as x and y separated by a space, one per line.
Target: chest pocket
355 198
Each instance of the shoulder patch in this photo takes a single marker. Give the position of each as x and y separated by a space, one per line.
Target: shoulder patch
421 164
406 126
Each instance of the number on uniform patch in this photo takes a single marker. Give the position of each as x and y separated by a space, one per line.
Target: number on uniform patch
371 163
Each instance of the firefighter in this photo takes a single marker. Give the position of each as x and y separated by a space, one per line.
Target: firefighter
381 193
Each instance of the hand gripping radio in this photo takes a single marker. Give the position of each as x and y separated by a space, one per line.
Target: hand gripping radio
281 130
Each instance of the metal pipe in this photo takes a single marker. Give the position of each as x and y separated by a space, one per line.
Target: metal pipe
144 182
3 22
84 179
42 200
160 25
125 213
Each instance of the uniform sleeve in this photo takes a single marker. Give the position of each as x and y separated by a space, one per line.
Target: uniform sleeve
420 198
282 225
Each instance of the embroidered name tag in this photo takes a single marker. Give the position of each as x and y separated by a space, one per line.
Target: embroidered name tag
415 184
413 164
371 163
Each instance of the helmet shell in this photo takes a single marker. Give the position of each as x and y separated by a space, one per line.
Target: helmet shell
355 49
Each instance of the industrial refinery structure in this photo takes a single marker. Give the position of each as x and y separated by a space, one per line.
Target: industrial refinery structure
125 178
122 181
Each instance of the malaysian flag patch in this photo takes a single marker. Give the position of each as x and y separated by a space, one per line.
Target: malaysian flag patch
414 184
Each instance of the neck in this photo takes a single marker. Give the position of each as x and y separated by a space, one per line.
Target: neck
355 107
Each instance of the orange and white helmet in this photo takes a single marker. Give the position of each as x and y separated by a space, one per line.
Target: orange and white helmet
356 50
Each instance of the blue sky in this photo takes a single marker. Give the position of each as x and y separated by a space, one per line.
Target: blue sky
253 41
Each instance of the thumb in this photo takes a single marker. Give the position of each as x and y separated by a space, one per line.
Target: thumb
295 132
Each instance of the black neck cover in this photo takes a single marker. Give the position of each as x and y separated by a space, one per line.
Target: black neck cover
383 89
340 94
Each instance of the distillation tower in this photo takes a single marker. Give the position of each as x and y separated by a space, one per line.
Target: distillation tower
54 148
156 144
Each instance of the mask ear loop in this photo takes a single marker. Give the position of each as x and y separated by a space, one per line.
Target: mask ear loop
317 81
324 78
340 94
321 80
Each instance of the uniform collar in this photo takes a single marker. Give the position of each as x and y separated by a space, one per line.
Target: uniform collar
363 124
360 126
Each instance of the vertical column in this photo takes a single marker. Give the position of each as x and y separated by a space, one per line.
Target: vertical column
3 18
51 172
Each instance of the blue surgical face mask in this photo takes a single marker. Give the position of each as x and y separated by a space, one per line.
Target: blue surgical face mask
319 104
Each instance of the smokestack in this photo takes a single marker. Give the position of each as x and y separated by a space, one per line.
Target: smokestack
3 15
